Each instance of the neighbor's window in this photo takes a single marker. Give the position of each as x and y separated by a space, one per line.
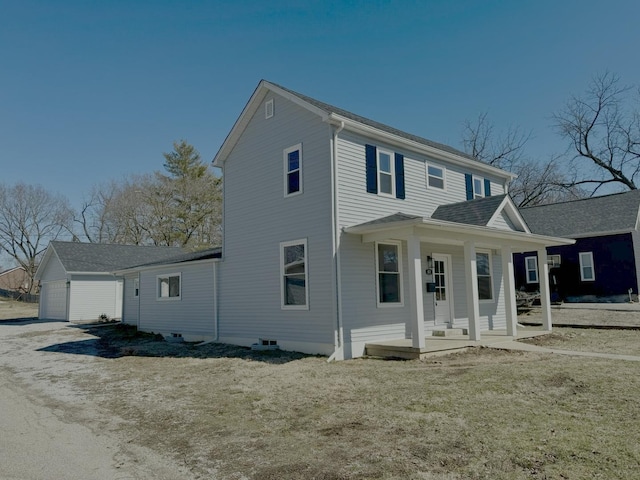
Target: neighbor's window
169 287
293 272
531 265
389 274
478 187
136 287
386 173
483 267
435 177
293 170
587 272
554 261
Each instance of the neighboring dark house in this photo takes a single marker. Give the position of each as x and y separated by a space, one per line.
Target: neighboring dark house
603 264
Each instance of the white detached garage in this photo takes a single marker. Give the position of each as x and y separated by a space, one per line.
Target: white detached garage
76 279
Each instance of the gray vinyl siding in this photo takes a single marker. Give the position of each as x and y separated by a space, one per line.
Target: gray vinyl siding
358 206
192 315
53 270
504 222
91 296
257 218
131 304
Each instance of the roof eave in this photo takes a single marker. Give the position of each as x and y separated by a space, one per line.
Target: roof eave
156 266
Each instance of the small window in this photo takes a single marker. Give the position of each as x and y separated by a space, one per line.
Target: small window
587 271
268 109
136 287
169 287
553 261
483 268
389 274
386 173
293 272
531 265
293 170
478 190
435 177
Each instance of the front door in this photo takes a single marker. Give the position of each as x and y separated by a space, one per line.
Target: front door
442 279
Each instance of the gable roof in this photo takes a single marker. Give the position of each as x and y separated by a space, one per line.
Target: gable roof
589 216
207 254
338 116
105 258
12 269
472 212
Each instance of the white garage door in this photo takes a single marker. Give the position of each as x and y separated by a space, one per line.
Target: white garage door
53 300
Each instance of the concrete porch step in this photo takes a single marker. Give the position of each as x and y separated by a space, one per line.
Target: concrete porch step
449 332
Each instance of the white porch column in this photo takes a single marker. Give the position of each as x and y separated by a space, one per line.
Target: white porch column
415 291
510 306
471 275
545 296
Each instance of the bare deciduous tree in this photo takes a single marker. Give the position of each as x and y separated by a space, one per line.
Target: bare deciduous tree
603 130
536 183
30 217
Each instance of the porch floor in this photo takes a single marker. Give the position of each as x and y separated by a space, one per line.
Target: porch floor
443 345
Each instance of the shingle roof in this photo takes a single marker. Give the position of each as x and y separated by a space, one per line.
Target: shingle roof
396 217
472 212
603 214
380 126
185 257
101 257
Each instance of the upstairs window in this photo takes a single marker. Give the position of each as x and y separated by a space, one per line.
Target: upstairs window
169 287
483 268
477 187
389 279
293 273
384 172
435 177
293 170
478 190
531 266
587 271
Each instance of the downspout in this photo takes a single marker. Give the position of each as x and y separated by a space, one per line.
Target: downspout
139 292
338 337
215 301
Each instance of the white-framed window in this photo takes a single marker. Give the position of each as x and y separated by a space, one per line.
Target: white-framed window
293 170
136 287
169 286
435 177
554 261
478 187
386 173
268 109
389 274
294 275
587 270
531 267
484 271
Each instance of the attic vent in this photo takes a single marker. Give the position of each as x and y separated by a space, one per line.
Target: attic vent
268 109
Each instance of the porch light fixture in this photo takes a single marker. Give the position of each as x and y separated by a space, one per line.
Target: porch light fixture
429 262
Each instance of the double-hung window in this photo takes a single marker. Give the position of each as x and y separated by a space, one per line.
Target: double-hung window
531 266
386 173
587 271
293 170
169 287
483 269
389 274
435 177
294 275
478 190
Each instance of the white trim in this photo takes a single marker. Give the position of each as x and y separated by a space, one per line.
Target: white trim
508 207
449 287
473 187
168 276
444 176
391 173
527 269
268 109
589 255
380 304
480 251
283 306
136 287
285 159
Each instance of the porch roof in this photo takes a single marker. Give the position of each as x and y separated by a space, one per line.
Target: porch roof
401 226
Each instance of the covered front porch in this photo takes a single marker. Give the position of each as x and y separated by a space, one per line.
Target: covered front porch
480 294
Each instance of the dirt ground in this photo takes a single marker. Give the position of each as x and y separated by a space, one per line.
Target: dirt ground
225 412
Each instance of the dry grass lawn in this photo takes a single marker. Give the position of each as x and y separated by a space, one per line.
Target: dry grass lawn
480 414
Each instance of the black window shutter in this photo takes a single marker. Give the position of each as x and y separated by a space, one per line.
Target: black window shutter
400 176
468 181
487 188
372 169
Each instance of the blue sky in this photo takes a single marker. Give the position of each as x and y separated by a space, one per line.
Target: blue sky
97 90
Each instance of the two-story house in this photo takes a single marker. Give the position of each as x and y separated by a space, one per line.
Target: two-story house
340 231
